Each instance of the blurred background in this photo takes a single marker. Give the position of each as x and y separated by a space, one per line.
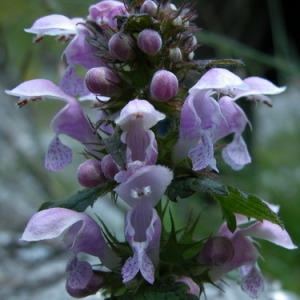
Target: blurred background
263 33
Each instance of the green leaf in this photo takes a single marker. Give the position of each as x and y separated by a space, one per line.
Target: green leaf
213 186
137 22
180 187
166 289
206 64
237 202
116 149
82 199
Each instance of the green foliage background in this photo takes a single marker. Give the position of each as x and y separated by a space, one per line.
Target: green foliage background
274 174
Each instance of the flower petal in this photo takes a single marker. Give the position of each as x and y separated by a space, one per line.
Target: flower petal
147 182
130 268
52 25
80 52
252 282
270 232
81 233
58 155
39 88
140 111
258 86
141 144
80 274
142 231
236 154
203 154
72 84
220 80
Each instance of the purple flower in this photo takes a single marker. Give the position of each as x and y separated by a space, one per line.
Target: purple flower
258 88
199 115
142 231
194 288
236 250
54 25
104 13
135 120
141 182
219 80
81 234
121 46
149 41
90 174
205 120
102 81
78 52
70 120
164 85
234 121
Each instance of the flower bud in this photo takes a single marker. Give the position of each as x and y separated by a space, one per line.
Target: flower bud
194 288
175 54
149 7
94 285
177 21
216 251
149 41
164 85
121 46
102 81
109 167
89 173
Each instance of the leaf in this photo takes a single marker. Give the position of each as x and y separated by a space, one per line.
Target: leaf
82 199
166 289
116 149
180 187
237 202
206 64
137 22
213 186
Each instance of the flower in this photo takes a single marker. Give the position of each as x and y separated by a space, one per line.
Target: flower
205 120
81 234
236 250
194 288
70 120
121 46
135 120
142 231
199 114
149 41
78 51
102 81
90 174
143 183
234 121
104 13
53 25
164 85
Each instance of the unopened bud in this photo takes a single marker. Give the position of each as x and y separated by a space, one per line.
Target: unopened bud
164 85
102 81
149 7
177 21
194 288
216 251
149 41
89 173
109 167
175 54
121 46
93 286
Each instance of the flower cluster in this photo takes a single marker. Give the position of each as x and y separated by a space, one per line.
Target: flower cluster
161 117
